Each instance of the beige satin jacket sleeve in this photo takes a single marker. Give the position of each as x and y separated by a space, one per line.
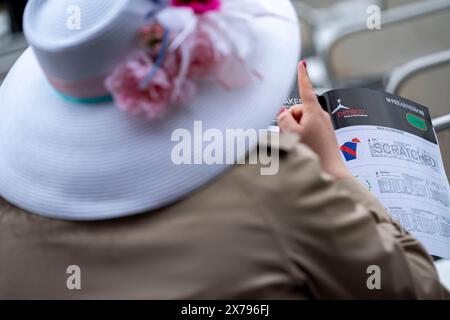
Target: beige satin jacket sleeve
295 235
332 231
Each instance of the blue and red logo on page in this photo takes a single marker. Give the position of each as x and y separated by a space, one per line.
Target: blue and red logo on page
350 149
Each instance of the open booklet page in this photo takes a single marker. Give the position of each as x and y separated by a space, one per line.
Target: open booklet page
390 145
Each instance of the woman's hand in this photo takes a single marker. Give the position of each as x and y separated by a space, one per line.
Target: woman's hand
314 126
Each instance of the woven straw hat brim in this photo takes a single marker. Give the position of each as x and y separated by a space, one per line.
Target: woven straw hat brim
93 162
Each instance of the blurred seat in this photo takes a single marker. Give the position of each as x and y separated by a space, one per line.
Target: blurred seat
306 17
389 4
344 10
318 4
15 10
327 12
4 22
425 80
443 269
356 56
11 47
316 14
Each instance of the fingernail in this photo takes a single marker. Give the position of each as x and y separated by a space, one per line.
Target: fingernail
304 64
282 109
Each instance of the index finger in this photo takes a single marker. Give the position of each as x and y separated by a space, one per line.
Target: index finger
305 87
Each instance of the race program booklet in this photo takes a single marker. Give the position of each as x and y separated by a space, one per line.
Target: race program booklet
390 145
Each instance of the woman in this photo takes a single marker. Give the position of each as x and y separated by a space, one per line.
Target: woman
96 208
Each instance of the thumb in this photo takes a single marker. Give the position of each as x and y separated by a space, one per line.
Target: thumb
305 87
287 122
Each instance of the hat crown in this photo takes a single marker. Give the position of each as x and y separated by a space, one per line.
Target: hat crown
61 23
82 40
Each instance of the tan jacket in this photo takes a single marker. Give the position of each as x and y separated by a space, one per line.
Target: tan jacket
296 235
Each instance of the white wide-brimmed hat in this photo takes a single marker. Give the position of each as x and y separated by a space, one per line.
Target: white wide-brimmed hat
68 152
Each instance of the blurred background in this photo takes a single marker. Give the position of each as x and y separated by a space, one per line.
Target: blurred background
409 56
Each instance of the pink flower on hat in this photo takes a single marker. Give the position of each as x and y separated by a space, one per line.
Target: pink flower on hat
164 89
199 6
124 84
184 89
204 55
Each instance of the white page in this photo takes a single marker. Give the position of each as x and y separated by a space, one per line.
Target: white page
406 173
